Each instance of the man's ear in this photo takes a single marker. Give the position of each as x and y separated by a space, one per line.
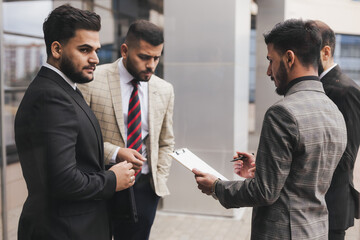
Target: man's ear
56 50
124 50
289 58
325 53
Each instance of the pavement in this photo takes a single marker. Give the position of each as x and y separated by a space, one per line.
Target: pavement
170 226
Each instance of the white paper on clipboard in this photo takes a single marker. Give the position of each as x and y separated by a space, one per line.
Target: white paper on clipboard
191 161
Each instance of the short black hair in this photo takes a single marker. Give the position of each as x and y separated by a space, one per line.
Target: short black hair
302 37
63 21
144 30
328 36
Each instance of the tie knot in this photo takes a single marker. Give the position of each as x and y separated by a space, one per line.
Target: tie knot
135 83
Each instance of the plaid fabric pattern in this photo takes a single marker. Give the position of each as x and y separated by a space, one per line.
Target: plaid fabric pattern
104 97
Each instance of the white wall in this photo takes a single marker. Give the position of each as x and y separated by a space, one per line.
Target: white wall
343 16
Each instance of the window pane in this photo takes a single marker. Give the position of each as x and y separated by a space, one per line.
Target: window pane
24 51
24 57
25 17
347 55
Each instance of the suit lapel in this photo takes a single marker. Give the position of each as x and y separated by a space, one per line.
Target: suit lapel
115 92
48 73
153 94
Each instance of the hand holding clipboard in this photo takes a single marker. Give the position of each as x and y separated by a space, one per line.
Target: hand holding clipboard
191 161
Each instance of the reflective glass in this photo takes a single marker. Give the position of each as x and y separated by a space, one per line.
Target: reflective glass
25 17
347 55
24 53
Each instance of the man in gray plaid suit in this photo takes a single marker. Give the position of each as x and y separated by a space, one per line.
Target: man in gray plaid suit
302 140
108 96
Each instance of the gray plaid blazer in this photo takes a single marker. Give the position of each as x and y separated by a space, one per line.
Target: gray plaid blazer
104 97
302 140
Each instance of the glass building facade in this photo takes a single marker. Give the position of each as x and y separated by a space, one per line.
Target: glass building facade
347 55
24 52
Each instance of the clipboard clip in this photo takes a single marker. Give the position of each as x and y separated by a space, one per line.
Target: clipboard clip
179 151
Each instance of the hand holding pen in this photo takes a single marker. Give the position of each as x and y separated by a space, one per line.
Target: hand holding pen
244 165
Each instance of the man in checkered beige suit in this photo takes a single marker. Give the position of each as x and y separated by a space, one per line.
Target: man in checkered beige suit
108 96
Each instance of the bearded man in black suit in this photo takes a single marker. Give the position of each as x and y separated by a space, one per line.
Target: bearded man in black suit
342 198
59 140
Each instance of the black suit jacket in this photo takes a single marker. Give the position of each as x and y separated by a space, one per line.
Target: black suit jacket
60 148
342 199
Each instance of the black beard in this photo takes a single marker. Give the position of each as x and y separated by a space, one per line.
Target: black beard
281 76
67 67
131 69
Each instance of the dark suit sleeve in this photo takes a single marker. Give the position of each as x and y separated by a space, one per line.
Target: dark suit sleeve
60 128
349 105
278 139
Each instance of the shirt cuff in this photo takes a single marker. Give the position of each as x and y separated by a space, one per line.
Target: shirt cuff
113 158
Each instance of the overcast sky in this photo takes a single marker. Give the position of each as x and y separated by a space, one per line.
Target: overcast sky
25 17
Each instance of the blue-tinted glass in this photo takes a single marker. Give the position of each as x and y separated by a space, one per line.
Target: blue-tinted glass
347 55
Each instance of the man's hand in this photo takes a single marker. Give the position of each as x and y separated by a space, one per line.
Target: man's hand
132 156
124 175
205 181
245 168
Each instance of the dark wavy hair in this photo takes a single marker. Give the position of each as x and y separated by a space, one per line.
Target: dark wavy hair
144 30
302 37
63 21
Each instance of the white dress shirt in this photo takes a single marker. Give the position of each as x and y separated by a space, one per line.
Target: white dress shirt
328 70
126 90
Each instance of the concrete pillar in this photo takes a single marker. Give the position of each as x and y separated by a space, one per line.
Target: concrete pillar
206 58
270 12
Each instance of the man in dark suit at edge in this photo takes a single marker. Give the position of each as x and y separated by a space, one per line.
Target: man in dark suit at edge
342 198
59 140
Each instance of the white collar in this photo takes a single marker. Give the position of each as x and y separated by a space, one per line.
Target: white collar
71 83
126 77
327 70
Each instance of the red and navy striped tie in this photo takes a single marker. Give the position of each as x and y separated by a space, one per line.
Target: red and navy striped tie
134 139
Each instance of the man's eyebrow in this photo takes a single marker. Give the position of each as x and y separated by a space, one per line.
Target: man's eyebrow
85 45
147 55
88 46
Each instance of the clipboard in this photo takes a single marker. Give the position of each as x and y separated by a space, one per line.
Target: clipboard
191 161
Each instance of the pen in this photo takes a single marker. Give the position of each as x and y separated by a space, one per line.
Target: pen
239 158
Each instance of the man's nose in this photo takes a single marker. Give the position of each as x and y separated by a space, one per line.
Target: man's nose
94 59
151 64
268 72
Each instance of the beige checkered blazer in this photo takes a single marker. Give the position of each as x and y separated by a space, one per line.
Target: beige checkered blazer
104 97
